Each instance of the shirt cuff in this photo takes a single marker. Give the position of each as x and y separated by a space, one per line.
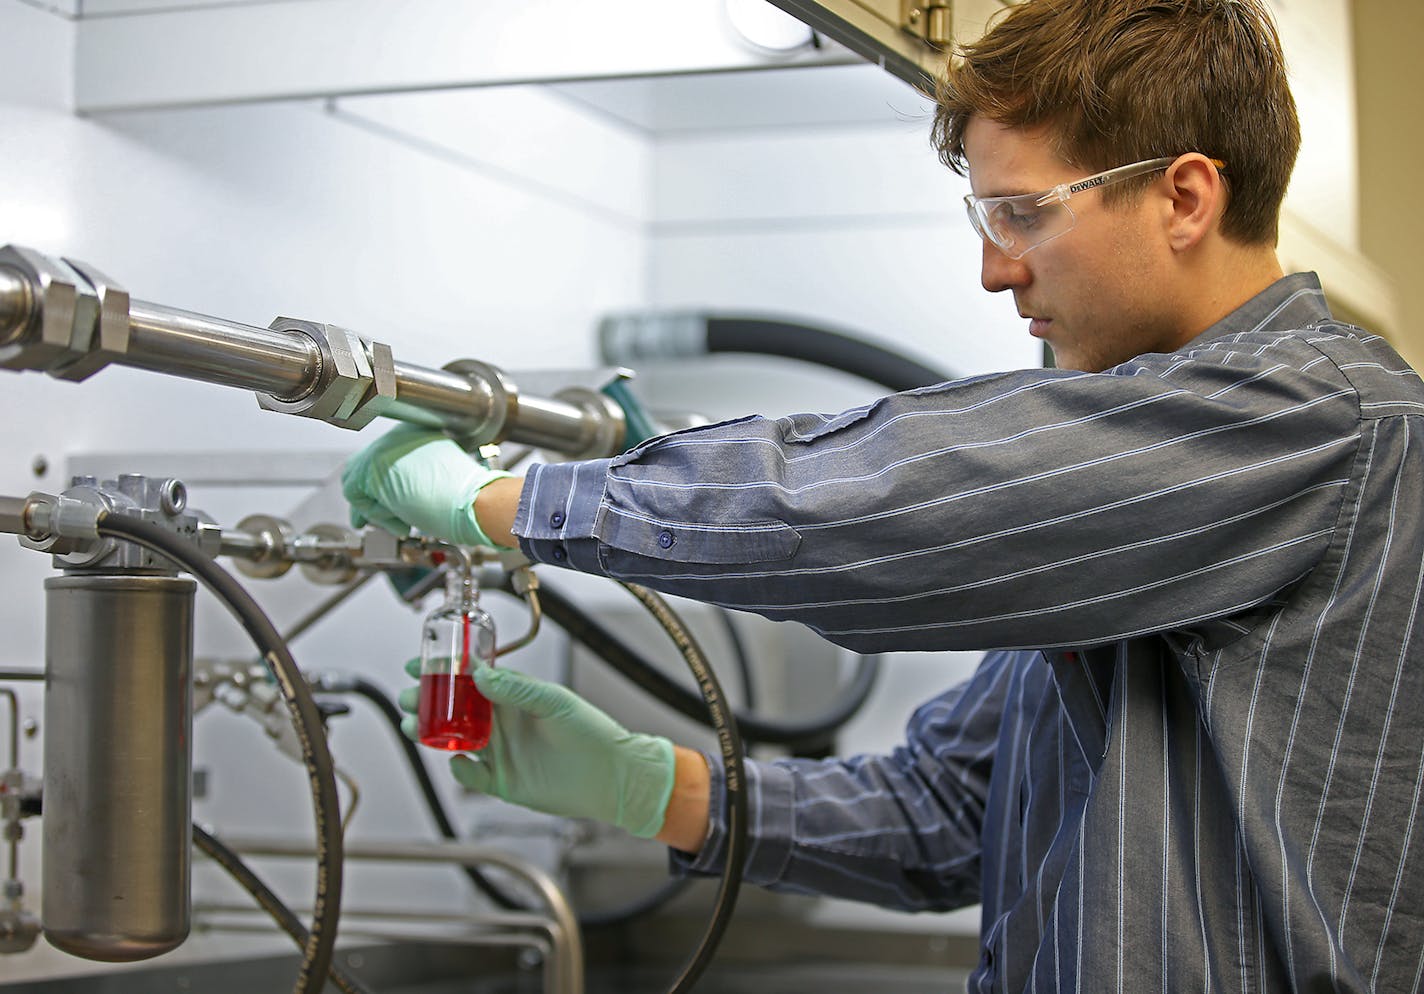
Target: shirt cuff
771 796
558 508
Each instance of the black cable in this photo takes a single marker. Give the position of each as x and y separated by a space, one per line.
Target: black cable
326 907
22 674
735 807
436 807
810 734
219 853
761 336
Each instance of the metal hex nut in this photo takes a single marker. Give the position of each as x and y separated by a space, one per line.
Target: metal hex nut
380 394
113 325
345 374
353 370
67 312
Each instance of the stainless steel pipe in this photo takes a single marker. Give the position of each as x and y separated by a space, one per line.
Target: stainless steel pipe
166 340
66 319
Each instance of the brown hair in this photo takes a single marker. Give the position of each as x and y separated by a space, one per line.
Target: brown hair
1119 81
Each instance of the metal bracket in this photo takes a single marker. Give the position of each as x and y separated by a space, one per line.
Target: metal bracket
932 21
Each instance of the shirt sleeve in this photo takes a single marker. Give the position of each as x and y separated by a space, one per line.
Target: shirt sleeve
901 830
1041 508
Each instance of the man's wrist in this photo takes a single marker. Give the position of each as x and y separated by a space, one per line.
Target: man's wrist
495 506
688 818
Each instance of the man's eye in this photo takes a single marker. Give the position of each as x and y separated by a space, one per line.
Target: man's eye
1017 218
1024 219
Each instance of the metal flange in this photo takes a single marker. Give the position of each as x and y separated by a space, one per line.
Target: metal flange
336 566
501 402
273 537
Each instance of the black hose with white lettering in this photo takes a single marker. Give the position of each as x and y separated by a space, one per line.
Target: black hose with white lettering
321 772
729 742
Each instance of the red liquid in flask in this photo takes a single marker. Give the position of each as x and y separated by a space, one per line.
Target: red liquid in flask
452 714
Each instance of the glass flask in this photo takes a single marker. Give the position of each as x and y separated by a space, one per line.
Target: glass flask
457 639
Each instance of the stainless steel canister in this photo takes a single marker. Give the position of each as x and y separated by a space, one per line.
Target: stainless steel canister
117 764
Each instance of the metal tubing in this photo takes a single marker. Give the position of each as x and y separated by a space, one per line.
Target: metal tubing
14 700
118 764
568 942
12 514
551 424
321 371
438 398
285 364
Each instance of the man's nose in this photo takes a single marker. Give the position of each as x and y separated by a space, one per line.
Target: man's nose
998 272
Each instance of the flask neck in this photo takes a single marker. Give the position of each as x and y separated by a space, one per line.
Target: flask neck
461 590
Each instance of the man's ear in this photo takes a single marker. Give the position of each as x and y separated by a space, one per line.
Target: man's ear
1197 199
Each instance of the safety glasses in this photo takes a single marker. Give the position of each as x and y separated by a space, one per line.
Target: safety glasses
1016 224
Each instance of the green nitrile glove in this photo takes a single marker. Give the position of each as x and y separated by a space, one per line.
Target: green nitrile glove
417 477
552 751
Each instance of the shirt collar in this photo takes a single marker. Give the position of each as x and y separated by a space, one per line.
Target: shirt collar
1292 302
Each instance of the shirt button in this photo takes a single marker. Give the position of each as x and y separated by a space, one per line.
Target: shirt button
559 553
666 539
556 520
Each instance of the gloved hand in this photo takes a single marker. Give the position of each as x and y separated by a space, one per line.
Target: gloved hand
552 751
414 476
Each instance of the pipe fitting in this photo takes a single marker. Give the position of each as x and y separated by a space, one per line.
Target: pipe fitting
355 379
266 555
107 342
16 304
498 396
63 313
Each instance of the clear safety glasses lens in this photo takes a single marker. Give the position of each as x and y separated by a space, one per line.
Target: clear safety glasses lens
1014 225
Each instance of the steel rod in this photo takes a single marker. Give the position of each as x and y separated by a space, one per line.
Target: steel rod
14 765
166 340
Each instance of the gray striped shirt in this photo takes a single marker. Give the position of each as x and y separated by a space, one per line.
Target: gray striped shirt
1204 770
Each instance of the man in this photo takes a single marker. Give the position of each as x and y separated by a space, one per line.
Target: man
1194 760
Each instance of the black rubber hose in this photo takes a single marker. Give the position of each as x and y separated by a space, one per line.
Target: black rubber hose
306 718
729 742
446 828
810 734
760 336
219 853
